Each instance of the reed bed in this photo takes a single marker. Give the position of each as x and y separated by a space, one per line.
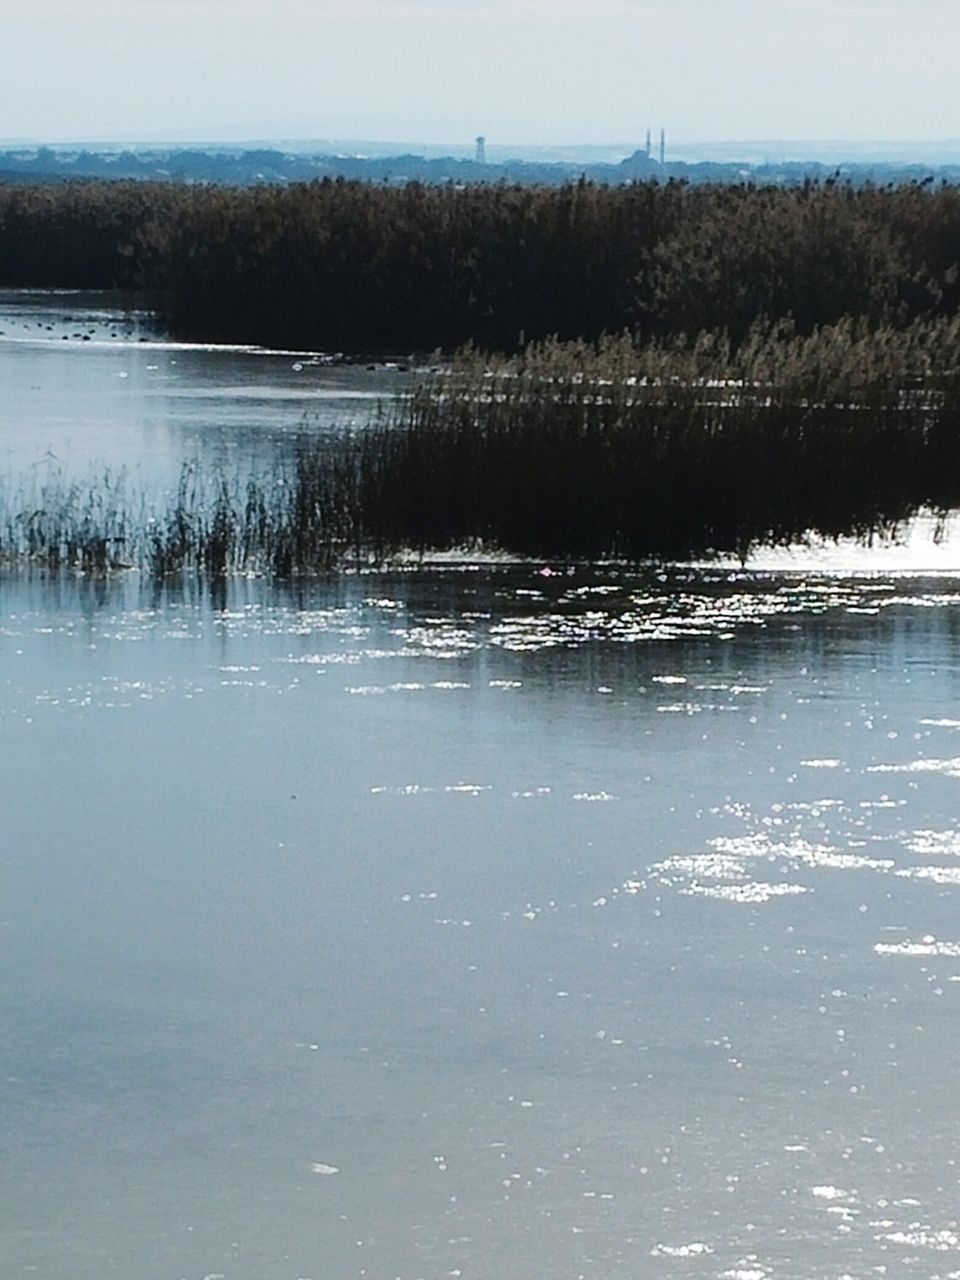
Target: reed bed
674 450
668 450
293 520
353 266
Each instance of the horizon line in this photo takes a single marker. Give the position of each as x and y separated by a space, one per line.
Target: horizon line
303 139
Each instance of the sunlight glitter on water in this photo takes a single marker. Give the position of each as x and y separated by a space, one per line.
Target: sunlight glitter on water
499 902
929 946
456 936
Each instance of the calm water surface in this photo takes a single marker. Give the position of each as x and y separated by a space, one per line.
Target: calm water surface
499 922
88 383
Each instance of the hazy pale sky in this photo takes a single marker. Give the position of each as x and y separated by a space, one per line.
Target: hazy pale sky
534 71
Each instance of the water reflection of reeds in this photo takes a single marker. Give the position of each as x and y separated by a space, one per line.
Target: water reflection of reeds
577 450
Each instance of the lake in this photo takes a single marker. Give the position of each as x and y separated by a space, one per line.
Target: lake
480 920
88 383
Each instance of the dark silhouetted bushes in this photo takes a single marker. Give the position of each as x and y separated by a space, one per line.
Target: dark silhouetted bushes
358 267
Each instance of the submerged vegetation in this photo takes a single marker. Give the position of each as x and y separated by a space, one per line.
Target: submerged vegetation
666 450
351 266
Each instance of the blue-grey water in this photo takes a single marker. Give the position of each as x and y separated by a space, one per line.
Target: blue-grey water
484 921
87 385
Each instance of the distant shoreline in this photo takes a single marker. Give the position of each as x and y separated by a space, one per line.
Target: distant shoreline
242 165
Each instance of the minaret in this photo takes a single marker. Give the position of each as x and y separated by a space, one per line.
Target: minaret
663 144
649 144
481 150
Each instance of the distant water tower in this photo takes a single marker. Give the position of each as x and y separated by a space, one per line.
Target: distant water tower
481 150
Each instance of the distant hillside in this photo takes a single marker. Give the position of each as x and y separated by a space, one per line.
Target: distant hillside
238 167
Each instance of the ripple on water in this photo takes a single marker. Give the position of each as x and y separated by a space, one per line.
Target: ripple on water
749 1268
936 844
696 1249
754 892
949 768
923 1236
927 946
828 1192
937 875
726 870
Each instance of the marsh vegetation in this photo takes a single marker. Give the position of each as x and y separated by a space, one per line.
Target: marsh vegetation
667 450
352 266
787 365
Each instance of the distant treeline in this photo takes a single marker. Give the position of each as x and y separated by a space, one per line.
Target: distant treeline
359 267
237 166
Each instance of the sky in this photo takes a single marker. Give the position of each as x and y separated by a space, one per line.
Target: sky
545 72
